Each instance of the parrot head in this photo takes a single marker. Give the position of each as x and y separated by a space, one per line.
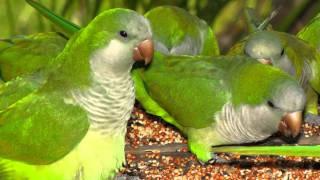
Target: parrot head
274 48
267 100
264 46
113 41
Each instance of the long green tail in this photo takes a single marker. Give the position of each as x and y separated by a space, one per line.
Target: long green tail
310 151
64 24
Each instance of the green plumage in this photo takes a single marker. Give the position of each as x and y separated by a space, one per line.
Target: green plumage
36 116
311 32
40 128
171 82
28 54
304 151
182 33
65 26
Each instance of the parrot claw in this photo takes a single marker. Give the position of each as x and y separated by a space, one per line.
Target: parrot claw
126 177
312 119
214 160
217 159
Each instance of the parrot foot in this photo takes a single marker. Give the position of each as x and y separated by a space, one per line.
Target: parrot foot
312 119
217 159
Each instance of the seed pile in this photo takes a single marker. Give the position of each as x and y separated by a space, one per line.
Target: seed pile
156 150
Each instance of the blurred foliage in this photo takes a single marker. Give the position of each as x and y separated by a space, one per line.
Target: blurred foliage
225 16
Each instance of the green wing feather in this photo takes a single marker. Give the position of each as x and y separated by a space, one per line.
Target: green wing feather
45 129
29 54
185 33
305 58
311 32
176 82
67 26
12 91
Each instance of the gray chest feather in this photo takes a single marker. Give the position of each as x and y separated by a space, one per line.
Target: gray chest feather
109 103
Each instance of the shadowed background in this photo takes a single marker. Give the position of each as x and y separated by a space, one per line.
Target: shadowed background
226 17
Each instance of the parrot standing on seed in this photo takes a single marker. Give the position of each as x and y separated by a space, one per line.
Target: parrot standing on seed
170 94
67 120
181 100
290 54
223 100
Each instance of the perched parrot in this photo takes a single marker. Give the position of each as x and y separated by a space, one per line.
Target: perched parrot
290 54
182 33
67 120
311 32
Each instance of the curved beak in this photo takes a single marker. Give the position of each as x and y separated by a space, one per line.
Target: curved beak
290 124
144 51
265 61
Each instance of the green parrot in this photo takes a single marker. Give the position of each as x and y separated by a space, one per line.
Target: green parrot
68 119
290 54
182 33
217 100
311 32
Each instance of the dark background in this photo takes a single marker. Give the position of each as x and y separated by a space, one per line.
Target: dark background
226 17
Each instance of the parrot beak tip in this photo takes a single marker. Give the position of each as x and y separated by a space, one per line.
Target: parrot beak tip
144 51
265 61
290 124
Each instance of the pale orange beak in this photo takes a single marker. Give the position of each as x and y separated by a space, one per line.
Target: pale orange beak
265 61
144 51
290 124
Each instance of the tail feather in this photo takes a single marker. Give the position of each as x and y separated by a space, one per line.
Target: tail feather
64 24
305 150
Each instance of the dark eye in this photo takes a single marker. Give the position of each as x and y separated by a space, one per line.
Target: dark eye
282 52
270 104
123 34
